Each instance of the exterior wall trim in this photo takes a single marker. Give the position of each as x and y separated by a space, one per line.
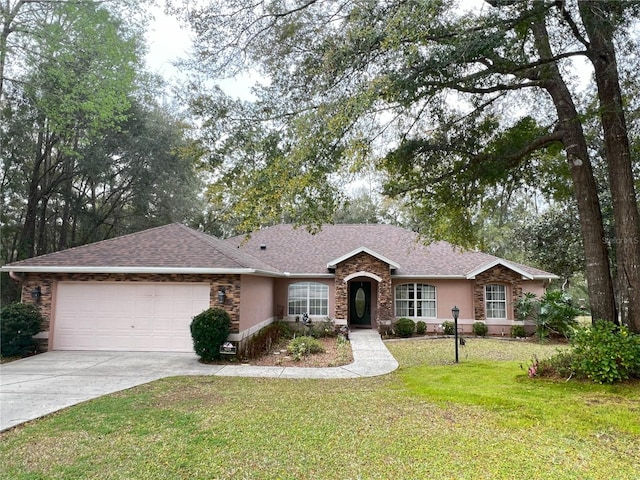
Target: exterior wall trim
363 273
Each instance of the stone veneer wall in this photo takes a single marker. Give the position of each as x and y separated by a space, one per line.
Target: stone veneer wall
499 275
363 262
47 282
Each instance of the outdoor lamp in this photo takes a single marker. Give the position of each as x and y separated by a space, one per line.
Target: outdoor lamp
455 311
36 293
221 296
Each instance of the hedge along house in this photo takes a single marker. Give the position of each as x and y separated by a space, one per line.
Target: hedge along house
139 292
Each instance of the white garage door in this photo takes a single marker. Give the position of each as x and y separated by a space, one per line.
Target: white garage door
127 316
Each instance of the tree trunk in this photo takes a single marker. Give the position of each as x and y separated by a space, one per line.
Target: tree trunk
599 28
597 271
26 242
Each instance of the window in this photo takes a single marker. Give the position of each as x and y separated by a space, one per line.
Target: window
495 301
415 300
309 297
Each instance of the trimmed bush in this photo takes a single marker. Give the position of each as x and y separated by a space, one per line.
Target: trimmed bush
421 327
480 329
209 330
518 331
448 327
19 323
404 327
302 346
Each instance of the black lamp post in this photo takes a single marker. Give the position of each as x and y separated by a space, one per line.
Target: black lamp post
455 311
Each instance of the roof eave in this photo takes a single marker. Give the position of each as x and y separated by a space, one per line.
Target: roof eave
139 270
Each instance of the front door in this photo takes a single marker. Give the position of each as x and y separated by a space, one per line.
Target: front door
360 304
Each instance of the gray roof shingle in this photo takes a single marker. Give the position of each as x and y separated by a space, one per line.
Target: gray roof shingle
173 246
297 251
277 250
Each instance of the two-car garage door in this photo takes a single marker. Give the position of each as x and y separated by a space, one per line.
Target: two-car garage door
127 316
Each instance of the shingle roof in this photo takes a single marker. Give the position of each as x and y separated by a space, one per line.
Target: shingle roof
170 247
287 250
298 252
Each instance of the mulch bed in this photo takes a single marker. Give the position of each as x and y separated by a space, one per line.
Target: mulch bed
333 356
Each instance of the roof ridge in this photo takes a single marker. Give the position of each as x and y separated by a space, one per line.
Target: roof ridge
225 249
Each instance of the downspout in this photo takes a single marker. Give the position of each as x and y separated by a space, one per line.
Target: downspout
15 276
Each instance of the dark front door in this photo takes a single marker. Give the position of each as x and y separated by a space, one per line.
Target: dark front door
360 304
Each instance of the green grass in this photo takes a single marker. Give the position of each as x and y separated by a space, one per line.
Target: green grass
480 419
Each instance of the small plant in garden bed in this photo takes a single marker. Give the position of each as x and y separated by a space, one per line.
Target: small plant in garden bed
448 328
480 329
404 327
300 347
421 328
518 331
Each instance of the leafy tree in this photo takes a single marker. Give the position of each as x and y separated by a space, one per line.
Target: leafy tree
86 153
455 108
552 241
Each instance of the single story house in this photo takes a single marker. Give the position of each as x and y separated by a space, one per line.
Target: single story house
139 292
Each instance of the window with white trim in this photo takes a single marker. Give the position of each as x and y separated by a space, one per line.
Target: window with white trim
495 297
309 297
415 300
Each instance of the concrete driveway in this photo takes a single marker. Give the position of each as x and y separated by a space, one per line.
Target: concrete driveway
36 386
39 385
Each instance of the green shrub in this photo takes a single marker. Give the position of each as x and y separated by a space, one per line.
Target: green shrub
556 315
322 329
19 323
209 330
603 353
302 346
518 331
404 327
448 327
480 329
526 307
559 365
606 353
421 327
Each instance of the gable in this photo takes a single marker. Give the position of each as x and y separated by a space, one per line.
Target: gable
499 262
333 263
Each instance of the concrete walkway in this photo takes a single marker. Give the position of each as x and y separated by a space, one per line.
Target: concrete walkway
36 386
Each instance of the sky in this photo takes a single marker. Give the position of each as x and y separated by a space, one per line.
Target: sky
168 41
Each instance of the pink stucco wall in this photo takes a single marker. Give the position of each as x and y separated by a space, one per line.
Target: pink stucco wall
256 301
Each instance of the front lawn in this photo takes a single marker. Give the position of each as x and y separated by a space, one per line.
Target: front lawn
481 419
